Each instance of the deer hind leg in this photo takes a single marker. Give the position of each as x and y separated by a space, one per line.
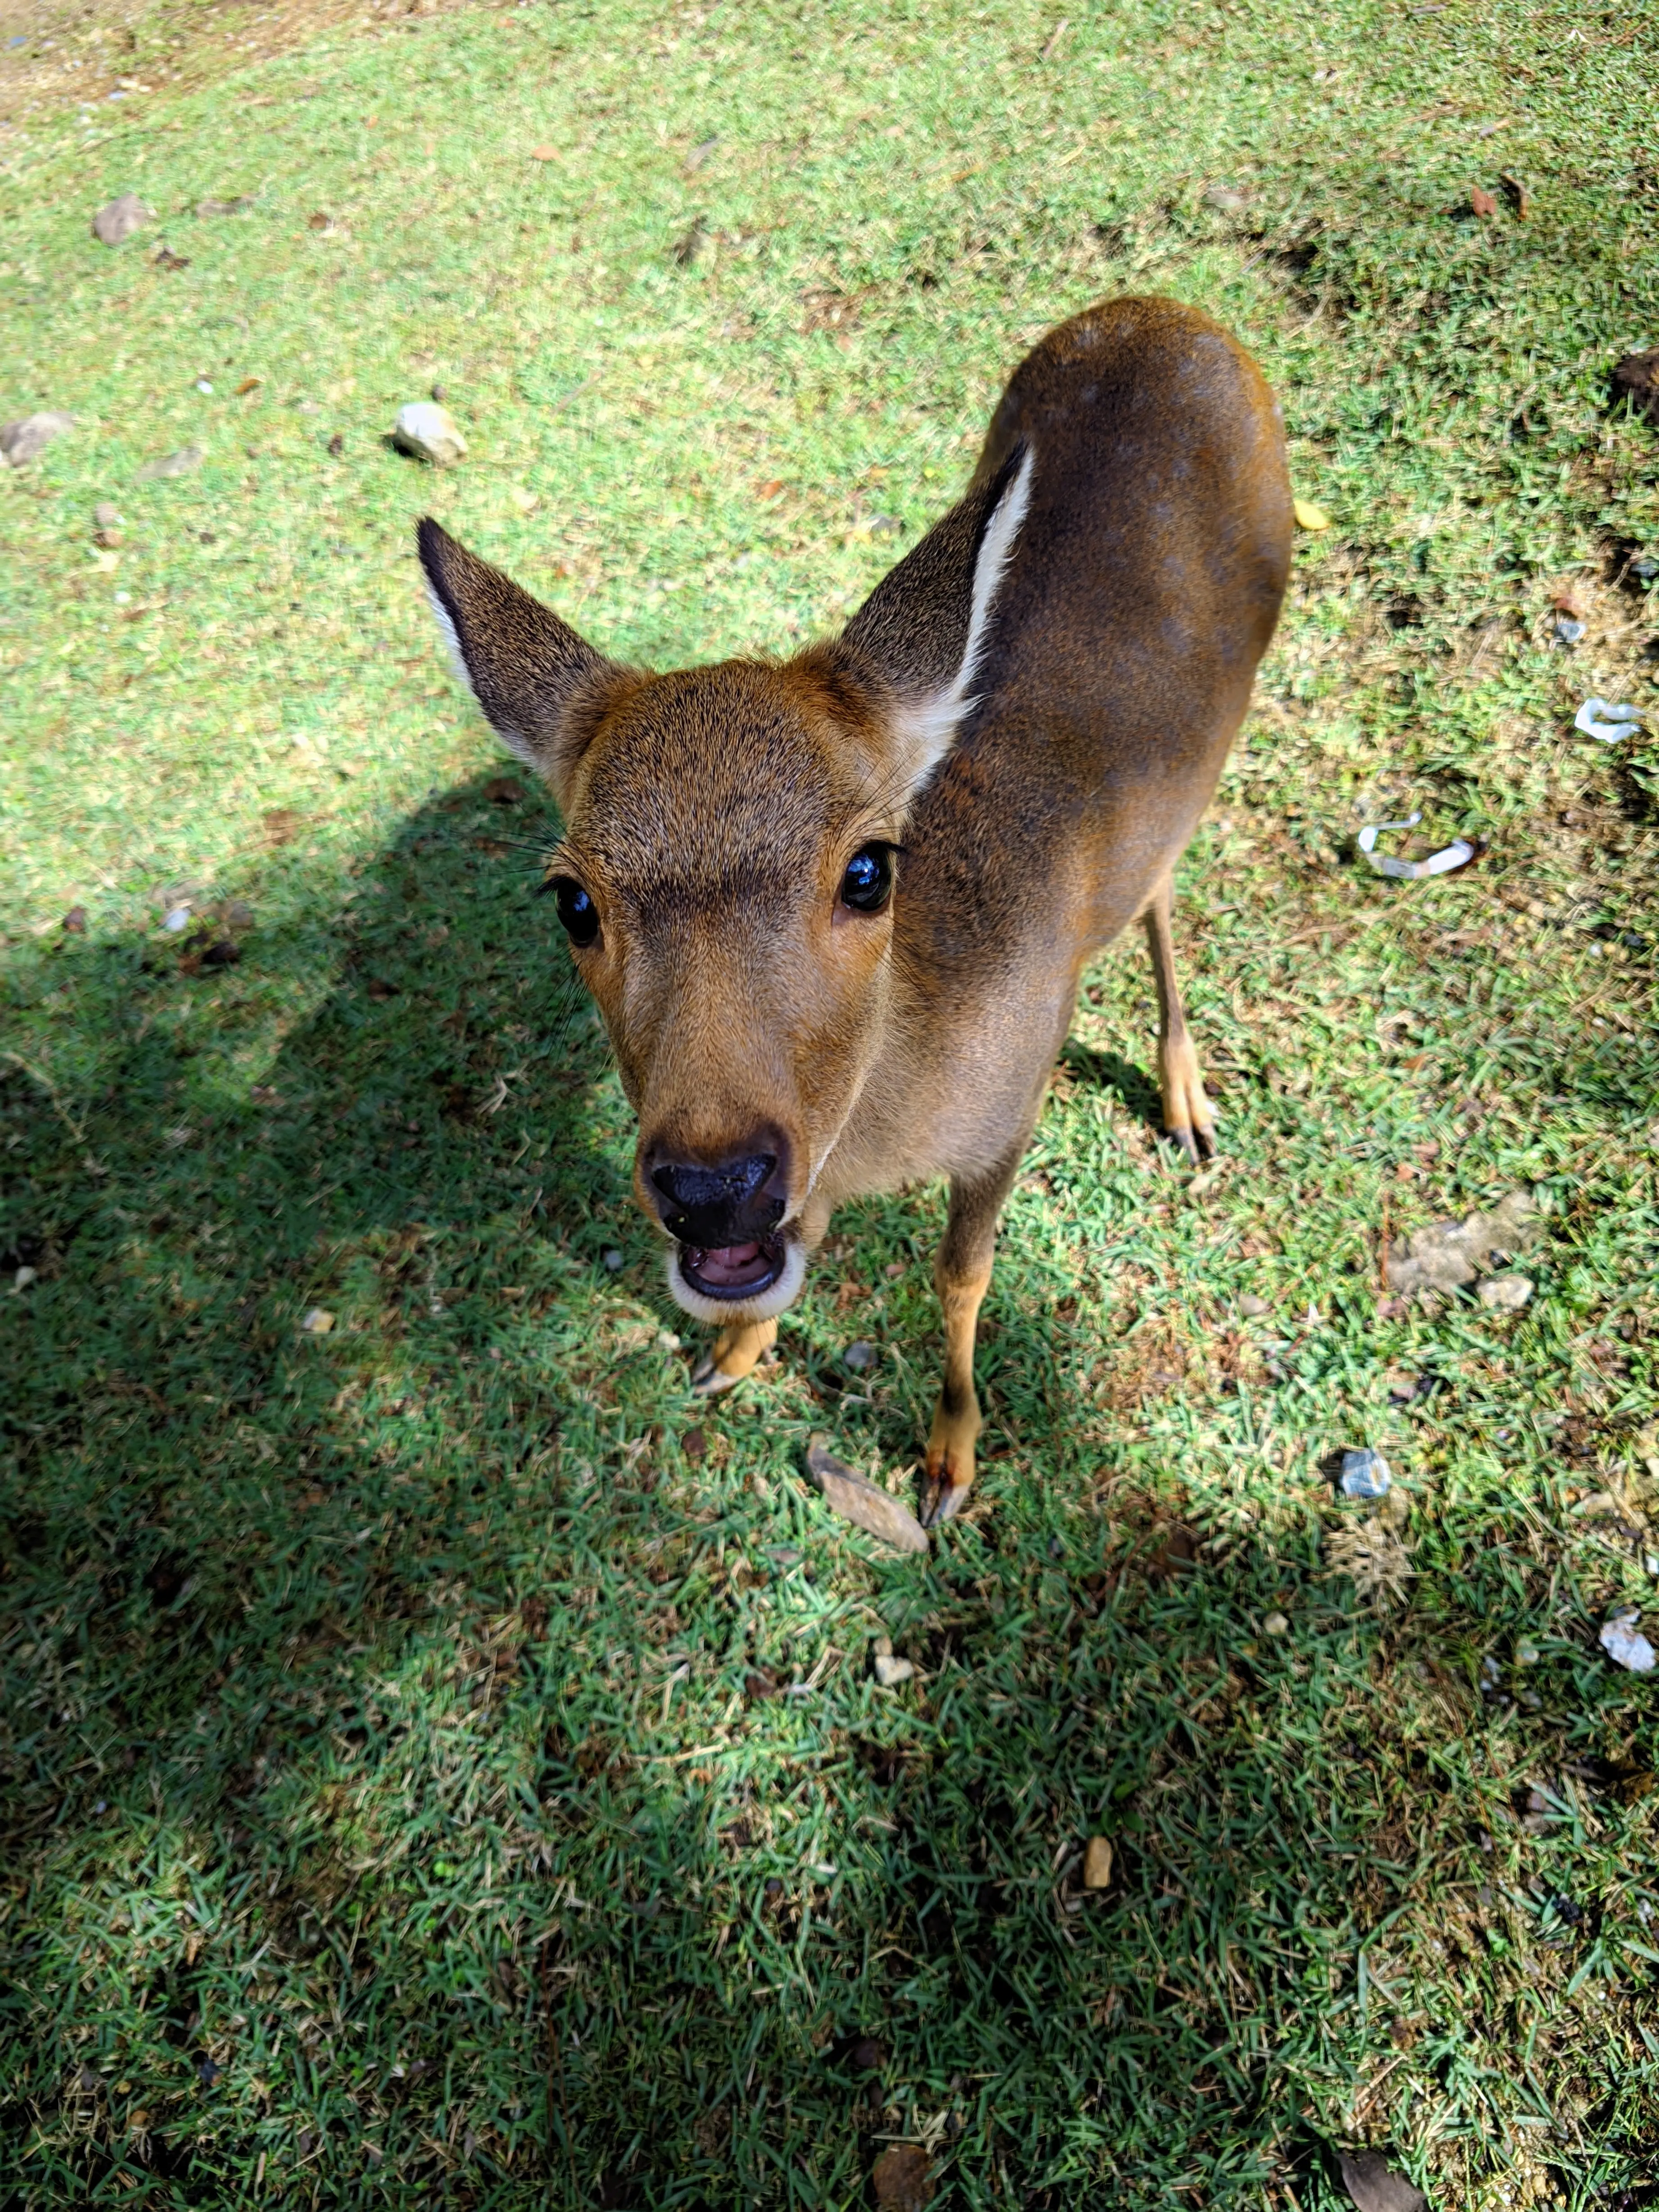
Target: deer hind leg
962 1274
1188 1116
732 1354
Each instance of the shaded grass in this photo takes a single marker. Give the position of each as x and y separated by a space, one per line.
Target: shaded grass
439 1755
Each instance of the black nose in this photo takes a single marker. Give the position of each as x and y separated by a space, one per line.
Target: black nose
715 1207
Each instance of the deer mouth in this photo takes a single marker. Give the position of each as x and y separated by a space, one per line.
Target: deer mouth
732 1272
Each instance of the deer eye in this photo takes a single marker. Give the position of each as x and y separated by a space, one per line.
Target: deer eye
868 883
577 911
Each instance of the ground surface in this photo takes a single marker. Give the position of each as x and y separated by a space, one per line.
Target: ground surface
439 1762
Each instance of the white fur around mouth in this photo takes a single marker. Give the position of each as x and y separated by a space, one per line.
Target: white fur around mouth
780 1292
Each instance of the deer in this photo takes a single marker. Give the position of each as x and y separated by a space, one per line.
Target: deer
835 908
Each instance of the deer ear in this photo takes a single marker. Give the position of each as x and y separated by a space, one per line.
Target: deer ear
543 690
926 627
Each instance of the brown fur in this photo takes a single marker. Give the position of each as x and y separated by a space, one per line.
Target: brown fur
711 813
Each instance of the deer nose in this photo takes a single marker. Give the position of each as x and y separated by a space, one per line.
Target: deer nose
718 1206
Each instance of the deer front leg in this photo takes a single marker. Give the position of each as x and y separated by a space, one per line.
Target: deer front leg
1188 1116
732 1356
962 1274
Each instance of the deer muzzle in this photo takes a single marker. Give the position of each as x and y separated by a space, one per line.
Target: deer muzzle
724 1217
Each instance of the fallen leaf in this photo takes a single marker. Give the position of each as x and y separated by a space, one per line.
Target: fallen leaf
543 153
902 2177
1482 203
282 824
1309 516
847 1492
1375 2186
165 257
249 383
317 1322
1519 197
74 922
770 488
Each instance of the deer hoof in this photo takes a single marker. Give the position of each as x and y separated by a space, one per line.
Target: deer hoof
1197 1143
707 1378
942 1502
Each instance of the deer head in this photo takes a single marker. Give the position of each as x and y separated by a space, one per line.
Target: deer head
733 848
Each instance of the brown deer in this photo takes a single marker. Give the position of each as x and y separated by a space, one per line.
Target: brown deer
834 909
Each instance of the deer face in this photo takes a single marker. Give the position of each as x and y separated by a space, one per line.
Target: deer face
728 873
726 882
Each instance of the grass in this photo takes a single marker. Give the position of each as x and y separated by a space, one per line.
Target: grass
439 1762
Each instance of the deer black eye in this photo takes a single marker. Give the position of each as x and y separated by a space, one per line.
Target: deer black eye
577 911
868 883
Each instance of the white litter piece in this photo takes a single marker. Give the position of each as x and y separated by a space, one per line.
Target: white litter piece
1457 854
1607 724
1622 1645
176 918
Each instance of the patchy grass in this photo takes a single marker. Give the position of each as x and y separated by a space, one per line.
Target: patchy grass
440 1758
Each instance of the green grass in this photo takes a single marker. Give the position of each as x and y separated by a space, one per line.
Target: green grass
394 1807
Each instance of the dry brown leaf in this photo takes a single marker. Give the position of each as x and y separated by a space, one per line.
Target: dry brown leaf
902 2178
856 1499
1375 2186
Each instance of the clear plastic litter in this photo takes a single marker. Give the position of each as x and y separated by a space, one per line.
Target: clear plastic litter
1606 723
1445 862
1364 1473
1622 1645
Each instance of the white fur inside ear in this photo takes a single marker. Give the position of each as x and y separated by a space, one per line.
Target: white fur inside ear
928 726
519 745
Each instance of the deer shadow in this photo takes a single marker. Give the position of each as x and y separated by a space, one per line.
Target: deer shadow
372 1635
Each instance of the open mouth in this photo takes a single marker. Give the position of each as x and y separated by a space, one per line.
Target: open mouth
733 1271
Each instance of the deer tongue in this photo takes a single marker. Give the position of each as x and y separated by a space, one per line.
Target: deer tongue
729 1266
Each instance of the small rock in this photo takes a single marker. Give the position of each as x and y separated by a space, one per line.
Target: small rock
1227 200
891 1672
1620 1640
1364 1473
1505 1294
317 1322
121 219
109 539
106 515
1568 631
856 1499
74 923
860 1356
28 438
1097 1863
175 919
867 2056
1252 1307
428 432
1276 1624
172 464
614 1261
